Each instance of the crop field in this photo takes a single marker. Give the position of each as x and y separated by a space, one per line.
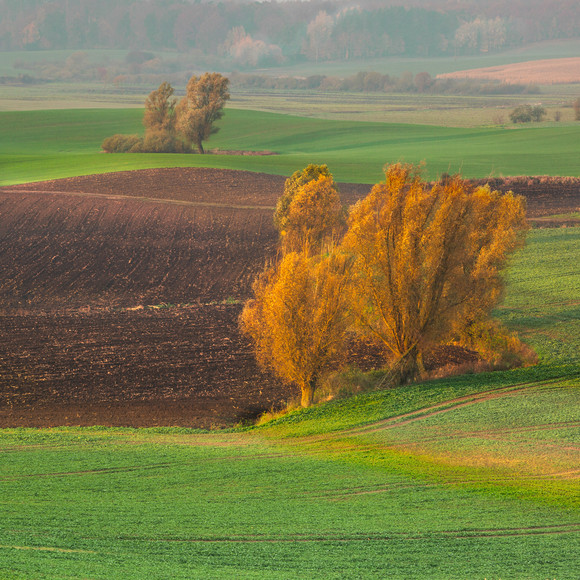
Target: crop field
39 145
467 477
117 283
548 72
118 311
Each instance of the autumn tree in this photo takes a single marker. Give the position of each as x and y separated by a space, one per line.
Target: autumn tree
298 317
428 260
160 109
201 107
315 217
293 184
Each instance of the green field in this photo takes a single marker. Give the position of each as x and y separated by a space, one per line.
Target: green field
37 145
466 477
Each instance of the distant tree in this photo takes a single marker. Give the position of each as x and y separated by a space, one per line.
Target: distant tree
291 187
428 260
538 113
423 81
298 318
527 114
160 109
202 106
319 33
576 107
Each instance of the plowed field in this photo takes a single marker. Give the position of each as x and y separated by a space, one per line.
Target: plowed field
120 294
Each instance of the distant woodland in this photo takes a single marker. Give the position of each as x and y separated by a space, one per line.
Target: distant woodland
245 35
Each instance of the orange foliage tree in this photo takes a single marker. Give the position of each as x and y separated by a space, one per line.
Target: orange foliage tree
428 260
315 217
293 184
298 317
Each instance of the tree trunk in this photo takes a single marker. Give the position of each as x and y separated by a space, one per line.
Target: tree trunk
200 148
307 393
408 368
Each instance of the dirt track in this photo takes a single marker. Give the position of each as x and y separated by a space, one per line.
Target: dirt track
120 294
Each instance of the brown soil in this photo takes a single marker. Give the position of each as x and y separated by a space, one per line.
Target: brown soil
120 295
540 72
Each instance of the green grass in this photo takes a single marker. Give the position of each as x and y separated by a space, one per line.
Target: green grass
37 145
464 477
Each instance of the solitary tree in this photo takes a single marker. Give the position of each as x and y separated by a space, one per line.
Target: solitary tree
298 317
201 107
428 260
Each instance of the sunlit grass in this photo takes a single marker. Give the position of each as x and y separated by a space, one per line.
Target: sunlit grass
38 145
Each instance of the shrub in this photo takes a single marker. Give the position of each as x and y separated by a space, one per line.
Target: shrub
495 344
161 142
121 143
527 114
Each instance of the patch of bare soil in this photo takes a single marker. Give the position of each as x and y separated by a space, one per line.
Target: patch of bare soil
120 294
540 72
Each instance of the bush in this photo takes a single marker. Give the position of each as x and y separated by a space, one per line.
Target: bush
161 142
527 114
496 345
121 143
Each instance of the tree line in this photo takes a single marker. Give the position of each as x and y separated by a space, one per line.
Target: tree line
410 266
250 34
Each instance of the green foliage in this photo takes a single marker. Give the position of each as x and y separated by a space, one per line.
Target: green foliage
527 114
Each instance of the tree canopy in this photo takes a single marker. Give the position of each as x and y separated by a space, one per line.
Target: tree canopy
202 105
419 265
298 317
160 109
428 260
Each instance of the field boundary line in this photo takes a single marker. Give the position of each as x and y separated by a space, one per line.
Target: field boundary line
121 197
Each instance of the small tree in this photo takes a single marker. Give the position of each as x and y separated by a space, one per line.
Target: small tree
527 114
160 110
521 114
428 260
298 318
538 113
315 217
202 106
292 185
576 107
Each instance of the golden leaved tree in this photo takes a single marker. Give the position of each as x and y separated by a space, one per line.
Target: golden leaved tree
298 317
315 217
428 260
297 180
